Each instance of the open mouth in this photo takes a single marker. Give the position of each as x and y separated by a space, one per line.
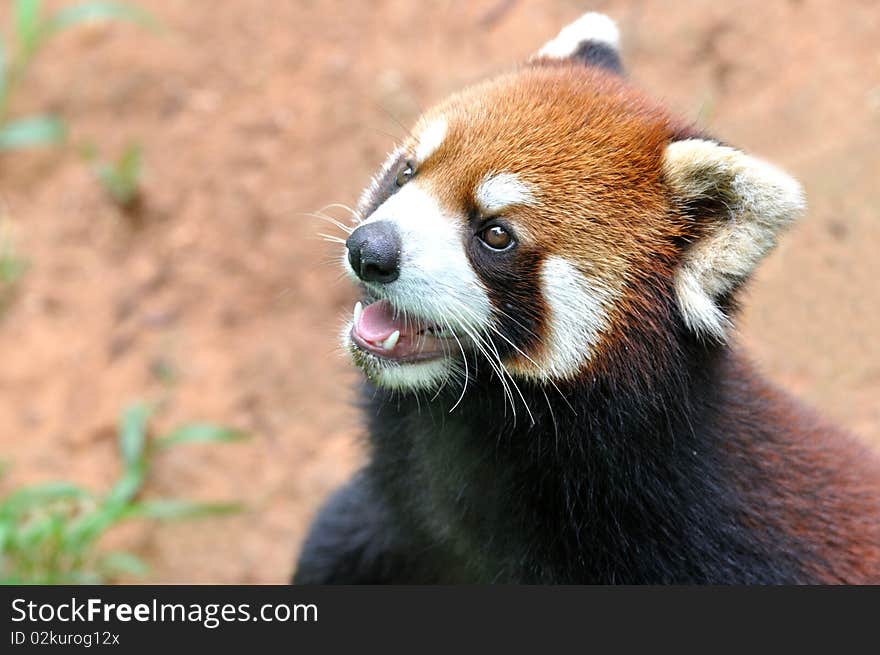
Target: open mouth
381 331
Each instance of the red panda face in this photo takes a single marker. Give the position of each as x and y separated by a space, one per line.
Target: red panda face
528 220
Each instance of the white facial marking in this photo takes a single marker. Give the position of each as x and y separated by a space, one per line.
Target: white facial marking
421 375
579 309
500 190
761 200
436 280
589 27
430 139
434 268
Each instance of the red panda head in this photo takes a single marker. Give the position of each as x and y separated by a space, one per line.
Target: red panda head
532 221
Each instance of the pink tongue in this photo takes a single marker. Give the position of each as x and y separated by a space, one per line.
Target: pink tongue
377 322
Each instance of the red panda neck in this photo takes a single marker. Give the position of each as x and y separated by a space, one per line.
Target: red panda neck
617 479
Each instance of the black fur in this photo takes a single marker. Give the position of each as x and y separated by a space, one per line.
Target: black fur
602 55
622 478
512 281
356 540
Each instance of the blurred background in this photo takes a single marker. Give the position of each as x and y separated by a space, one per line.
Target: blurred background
169 316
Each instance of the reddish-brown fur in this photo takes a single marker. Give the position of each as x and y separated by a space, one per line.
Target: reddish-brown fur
603 203
810 480
602 199
672 460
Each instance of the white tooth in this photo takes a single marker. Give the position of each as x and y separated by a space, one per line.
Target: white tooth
358 310
391 341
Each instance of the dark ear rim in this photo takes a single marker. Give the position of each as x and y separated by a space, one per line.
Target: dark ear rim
592 40
601 55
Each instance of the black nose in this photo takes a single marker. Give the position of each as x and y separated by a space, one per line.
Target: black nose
374 252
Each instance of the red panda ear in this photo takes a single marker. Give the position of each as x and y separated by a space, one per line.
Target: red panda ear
593 39
751 202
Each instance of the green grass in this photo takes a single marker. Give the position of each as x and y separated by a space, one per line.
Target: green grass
120 178
21 41
29 32
49 533
12 268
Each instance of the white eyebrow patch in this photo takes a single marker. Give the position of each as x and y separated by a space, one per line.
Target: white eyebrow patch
500 190
431 139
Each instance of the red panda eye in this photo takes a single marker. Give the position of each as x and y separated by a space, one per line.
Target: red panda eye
405 174
496 237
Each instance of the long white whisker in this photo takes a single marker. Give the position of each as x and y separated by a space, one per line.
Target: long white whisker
331 238
464 361
463 326
496 331
501 369
353 215
329 219
495 362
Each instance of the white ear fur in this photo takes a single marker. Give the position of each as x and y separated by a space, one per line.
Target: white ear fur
589 27
759 200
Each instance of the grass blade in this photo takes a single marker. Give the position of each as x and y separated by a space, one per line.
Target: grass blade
31 131
89 11
7 530
3 75
81 533
126 488
39 531
30 498
201 433
133 433
12 268
27 26
121 179
170 509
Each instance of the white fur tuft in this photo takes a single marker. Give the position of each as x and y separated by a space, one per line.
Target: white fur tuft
759 199
578 314
589 27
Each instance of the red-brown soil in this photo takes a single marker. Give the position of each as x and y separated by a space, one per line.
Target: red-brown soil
254 114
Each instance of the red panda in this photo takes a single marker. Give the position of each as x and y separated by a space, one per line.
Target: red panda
550 266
